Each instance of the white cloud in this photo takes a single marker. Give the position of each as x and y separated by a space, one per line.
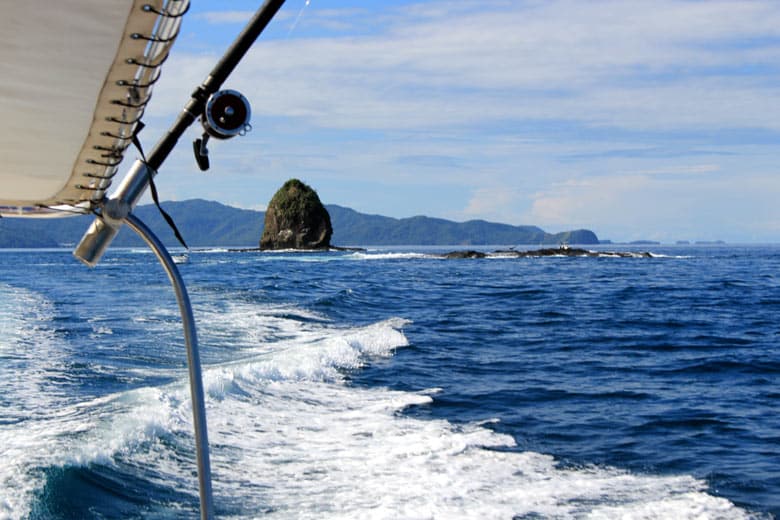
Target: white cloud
626 64
694 169
631 207
255 207
494 203
533 96
226 17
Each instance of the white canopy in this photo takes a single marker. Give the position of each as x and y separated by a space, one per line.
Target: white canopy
76 77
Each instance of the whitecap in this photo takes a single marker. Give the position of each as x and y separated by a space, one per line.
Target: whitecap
291 436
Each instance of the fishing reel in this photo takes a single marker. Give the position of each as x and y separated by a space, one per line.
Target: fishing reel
225 115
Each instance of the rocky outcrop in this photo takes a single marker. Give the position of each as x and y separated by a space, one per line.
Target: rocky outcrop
570 251
296 219
550 251
465 254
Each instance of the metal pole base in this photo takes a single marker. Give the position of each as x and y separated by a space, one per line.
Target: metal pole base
193 361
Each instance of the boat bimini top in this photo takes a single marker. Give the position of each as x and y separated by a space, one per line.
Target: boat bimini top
77 77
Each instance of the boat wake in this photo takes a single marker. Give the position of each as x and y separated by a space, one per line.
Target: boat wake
291 437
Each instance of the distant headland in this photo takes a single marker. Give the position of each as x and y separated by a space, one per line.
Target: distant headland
207 223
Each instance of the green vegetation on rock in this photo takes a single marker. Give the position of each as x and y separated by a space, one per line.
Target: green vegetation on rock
296 219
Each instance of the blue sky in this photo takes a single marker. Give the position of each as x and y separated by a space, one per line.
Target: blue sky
656 119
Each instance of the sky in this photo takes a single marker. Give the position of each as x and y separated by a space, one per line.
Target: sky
637 119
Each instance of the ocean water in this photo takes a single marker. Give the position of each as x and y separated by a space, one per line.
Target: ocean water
391 384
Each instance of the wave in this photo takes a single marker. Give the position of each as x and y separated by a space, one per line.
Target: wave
391 256
151 426
291 437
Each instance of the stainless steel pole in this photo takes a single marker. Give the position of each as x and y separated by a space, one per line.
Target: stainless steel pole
193 361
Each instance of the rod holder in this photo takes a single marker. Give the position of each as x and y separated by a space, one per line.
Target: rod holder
104 228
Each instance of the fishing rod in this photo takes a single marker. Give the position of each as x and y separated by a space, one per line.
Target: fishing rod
229 122
223 114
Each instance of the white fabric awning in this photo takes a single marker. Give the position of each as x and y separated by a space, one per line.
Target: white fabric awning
76 77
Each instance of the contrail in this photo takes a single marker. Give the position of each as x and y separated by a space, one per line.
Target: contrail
295 23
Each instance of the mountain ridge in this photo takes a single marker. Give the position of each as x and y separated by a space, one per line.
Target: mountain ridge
206 223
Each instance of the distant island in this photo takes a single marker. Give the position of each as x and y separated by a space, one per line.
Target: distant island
207 223
295 218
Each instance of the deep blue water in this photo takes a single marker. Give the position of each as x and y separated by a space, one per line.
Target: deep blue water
393 384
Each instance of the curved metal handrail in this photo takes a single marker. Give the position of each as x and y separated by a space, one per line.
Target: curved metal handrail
193 362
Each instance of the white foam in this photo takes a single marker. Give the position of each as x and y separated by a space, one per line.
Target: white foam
29 358
210 250
313 354
328 451
390 256
678 257
130 424
292 437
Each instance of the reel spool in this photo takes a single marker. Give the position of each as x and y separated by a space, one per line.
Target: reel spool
225 115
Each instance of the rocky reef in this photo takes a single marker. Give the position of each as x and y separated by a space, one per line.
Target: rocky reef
550 251
296 219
